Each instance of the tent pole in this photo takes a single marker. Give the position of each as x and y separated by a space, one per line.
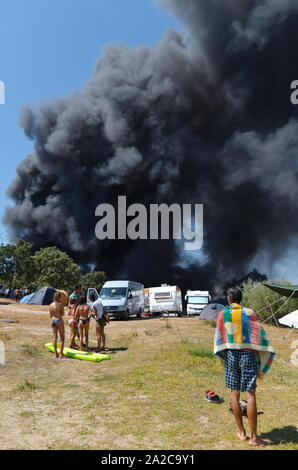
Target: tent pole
272 312
289 298
253 288
275 302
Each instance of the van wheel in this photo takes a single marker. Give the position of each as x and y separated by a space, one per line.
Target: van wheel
139 314
126 316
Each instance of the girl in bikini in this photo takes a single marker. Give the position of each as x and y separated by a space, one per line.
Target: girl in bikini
56 314
72 313
83 313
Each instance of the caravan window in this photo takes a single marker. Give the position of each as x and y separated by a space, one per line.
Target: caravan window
113 292
161 296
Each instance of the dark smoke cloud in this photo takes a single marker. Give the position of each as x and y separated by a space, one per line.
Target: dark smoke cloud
205 117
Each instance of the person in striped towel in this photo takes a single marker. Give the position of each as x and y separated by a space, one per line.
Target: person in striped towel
240 340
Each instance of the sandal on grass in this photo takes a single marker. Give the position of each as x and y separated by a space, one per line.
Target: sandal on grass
211 397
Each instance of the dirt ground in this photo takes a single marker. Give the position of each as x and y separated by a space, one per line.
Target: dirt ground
149 395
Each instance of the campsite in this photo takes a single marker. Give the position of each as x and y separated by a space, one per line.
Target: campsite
148 227
150 395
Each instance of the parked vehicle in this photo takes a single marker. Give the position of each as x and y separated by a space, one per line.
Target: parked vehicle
2 290
165 299
121 299
196 300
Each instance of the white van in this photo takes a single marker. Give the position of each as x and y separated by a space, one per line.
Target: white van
165 299
196 300
121 299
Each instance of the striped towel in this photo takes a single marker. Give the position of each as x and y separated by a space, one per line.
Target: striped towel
238 328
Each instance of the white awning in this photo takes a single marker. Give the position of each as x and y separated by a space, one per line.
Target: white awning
290 320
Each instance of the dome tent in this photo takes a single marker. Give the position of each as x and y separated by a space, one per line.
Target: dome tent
211 311
43 296
26 299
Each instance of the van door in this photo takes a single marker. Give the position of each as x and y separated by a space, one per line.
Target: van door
91 290
130 300
140 301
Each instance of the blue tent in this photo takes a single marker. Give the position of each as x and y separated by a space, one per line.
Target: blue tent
26 299
43 296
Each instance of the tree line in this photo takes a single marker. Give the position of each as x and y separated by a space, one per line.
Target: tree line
21 267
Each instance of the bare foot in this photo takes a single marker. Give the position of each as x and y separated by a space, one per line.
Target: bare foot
62 357
242 436
258 442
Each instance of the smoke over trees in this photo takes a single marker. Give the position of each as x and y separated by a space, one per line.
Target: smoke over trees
205 117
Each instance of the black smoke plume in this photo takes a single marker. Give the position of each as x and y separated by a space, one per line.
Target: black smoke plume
205 117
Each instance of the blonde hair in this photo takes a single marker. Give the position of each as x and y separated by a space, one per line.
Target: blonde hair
57 296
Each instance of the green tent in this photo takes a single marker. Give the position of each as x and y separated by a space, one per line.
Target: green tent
284 289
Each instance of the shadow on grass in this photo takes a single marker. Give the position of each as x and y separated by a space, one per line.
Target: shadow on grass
132 318
108 351
286 435
4 320
111 351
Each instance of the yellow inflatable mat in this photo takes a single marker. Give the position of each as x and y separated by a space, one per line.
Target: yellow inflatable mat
82 355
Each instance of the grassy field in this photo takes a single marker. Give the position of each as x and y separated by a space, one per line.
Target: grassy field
150 395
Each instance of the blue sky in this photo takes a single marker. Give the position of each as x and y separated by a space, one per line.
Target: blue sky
49 47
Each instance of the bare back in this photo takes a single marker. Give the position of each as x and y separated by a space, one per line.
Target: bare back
83 311
56 310
72 310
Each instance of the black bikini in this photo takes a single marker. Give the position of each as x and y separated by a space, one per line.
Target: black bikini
84 320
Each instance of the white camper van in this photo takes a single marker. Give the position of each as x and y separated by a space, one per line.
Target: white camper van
165 299
196 300
121 299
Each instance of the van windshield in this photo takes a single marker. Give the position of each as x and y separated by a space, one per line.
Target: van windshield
113 292
202 299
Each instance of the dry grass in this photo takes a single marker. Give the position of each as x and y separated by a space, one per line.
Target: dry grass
150 395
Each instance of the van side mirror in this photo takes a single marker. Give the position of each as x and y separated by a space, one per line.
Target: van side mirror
130 296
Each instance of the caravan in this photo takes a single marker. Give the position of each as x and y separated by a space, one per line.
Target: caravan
165 299
121 299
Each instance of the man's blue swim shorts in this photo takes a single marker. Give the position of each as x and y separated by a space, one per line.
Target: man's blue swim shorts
240 370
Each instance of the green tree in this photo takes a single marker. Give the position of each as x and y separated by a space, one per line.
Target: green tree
17 266
253 276
94 279
56 269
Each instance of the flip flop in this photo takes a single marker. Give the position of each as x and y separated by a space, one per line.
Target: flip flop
211 397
